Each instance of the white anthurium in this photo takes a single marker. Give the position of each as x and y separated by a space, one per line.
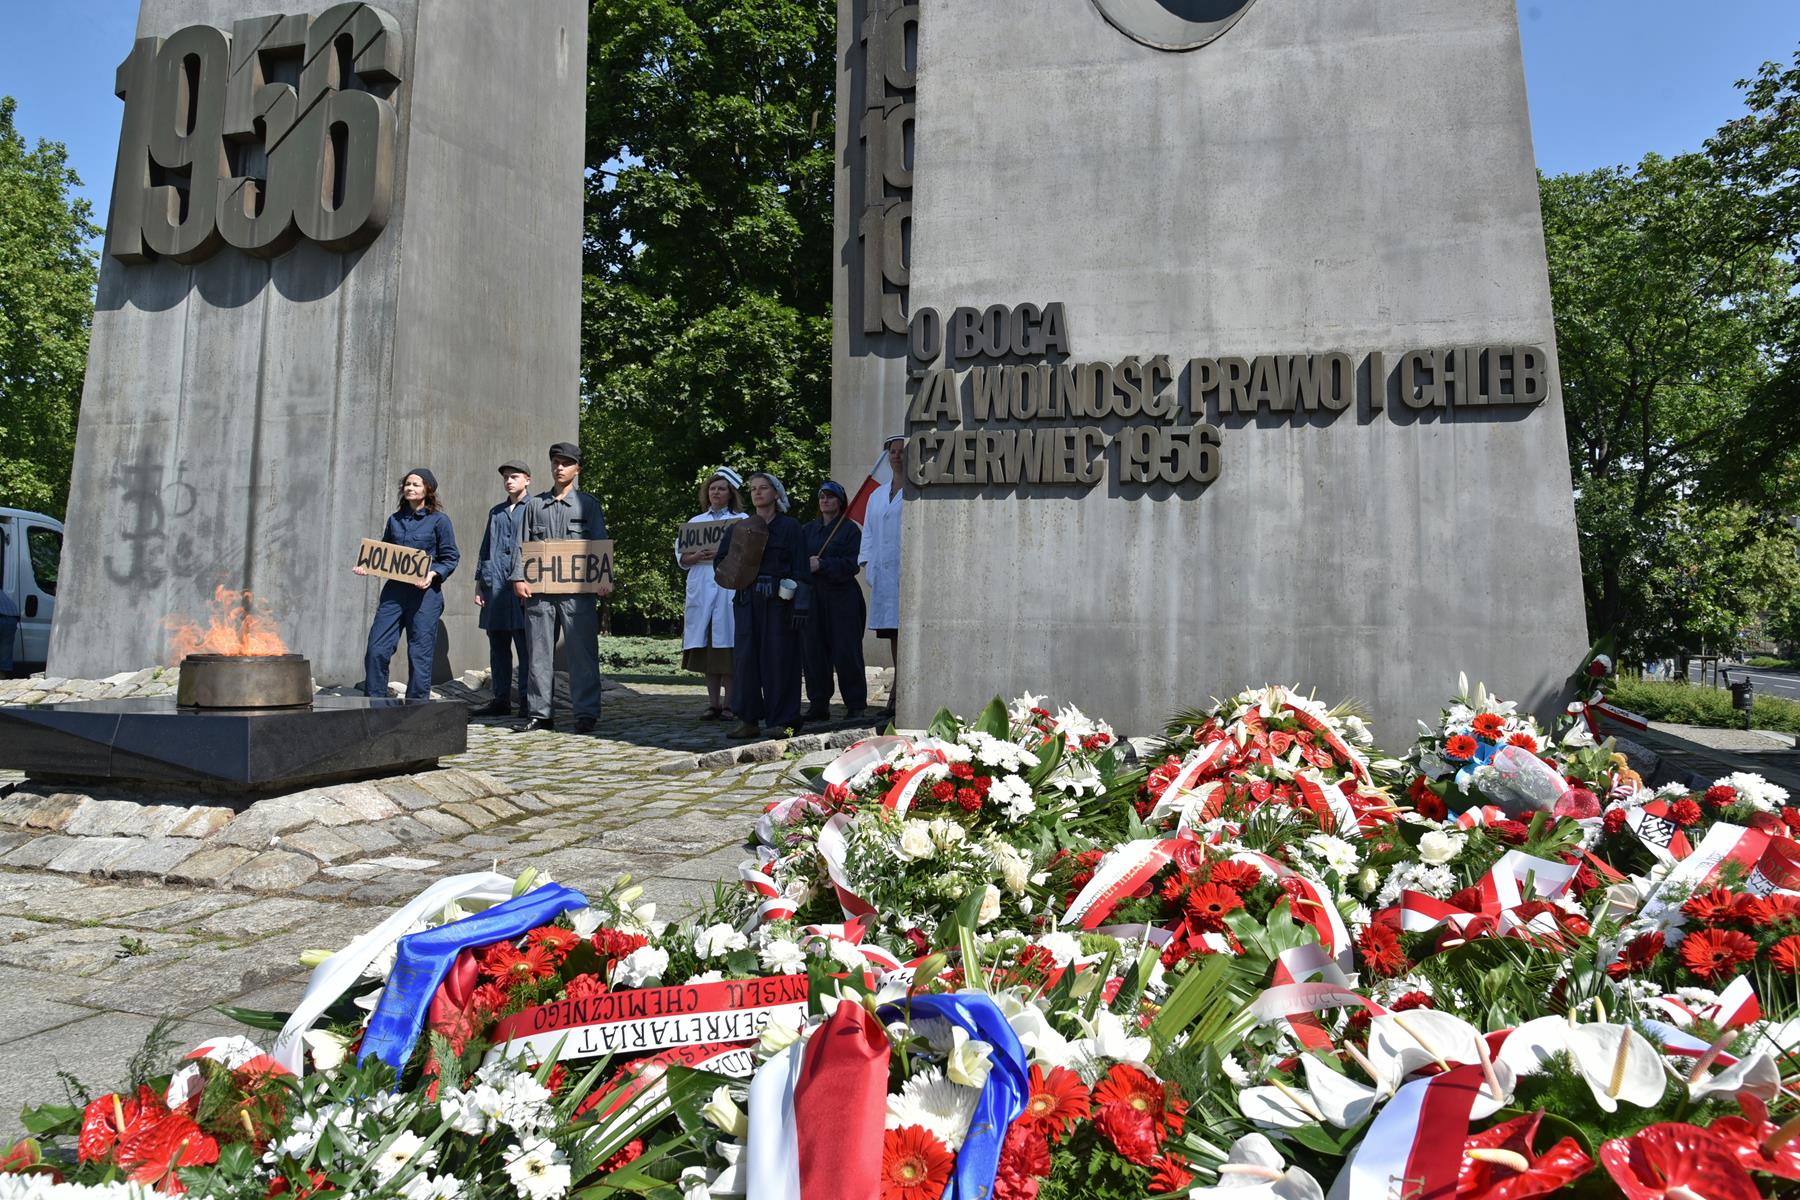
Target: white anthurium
1329 1096
1754 1076
1402 1043
1255 1169
1617 1061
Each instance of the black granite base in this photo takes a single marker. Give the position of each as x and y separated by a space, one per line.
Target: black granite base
338 738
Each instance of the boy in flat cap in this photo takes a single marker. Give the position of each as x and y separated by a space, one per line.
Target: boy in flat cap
564 513
502 612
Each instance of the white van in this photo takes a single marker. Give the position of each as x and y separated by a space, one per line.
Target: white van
30 551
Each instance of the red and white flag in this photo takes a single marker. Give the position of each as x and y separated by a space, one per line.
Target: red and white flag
817 1110
882 475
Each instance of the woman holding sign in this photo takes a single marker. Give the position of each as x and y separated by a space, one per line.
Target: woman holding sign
420 523
765 652
706 631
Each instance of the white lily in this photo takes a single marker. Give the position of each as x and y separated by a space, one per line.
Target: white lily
1033 1029
1106 1040
1255 1169
1617 1061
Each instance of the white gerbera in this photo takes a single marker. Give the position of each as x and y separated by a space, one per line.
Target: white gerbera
539 1171
939 1107
401 1152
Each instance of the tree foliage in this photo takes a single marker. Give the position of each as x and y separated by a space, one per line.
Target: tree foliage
47 278
1671 301
706 334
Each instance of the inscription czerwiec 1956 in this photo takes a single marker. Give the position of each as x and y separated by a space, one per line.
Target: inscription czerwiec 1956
282 129
997 401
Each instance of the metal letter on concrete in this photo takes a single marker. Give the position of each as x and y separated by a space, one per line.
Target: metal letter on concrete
1308 187
344 242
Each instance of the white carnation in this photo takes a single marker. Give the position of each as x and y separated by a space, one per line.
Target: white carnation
717 940
640 966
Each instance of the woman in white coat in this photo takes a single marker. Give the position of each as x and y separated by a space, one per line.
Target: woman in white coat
706 631
880 556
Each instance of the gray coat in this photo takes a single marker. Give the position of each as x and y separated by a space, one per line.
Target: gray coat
494 568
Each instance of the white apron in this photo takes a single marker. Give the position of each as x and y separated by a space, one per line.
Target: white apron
708 604
880 557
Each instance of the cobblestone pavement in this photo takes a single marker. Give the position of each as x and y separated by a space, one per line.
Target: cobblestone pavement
107 925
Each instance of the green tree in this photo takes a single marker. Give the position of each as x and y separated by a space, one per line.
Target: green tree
47 278
706 322
1668 314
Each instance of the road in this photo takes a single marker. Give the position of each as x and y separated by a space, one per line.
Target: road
1768 683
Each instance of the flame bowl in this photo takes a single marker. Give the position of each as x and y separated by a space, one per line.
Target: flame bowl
245 681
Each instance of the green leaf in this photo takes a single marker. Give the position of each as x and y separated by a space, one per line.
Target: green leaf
993 720
51 1120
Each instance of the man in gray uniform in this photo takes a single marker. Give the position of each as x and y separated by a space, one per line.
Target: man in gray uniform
564 513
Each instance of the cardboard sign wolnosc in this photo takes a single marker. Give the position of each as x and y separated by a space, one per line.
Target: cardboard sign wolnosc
566 568
388 561
703 535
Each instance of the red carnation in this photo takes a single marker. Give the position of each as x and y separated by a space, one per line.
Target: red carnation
962 770
1130 1131
1381 950
1024 1159
969 799
1637 955
628 1153
1460 747
1410 1001
1714 953
1721 794
1685 812
943 791
585 987
1614 821
615 943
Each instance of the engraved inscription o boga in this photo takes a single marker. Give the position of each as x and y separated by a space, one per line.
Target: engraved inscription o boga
1174 24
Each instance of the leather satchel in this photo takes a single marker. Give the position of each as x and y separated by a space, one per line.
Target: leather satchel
739 566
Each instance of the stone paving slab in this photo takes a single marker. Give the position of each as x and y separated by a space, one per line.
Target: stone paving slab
117 908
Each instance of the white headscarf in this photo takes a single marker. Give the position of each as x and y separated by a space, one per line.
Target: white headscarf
781 496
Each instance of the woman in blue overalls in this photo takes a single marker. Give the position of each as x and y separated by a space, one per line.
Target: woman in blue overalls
833 640
765 650
419 524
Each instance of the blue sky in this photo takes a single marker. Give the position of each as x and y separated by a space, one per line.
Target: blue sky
1610 80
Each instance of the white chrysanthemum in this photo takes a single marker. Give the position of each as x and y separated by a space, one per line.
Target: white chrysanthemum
475 1112
846 954
1233 1071
1416 877
402 1152
939 1107
717 940
1765 796
1013 794
539 1171
783 957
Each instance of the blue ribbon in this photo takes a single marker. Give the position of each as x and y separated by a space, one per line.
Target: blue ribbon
1002 1097
422 959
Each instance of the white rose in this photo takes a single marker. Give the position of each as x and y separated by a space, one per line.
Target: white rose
990 905
1367 881
948 833
915 840
1440 847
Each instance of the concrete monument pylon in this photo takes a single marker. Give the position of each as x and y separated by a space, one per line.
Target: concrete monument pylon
1223 335
343 243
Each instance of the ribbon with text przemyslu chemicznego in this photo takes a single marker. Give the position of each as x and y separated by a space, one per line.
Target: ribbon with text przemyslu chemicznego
642 1020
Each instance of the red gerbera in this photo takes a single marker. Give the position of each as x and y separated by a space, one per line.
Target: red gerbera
1714 953
555 939
1238 876
1764 911
1637 955
1056 1100
1785 955
1171 1175
1381 950
914 1165
1498 1163
1131 1088
505 962
1460 747
1208 904
1685 812
1714 907
1671 1161
1489 726
1523 741
1130 1131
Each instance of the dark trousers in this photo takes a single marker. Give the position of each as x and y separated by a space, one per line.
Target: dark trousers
832 644
414 611
765 661
502 645
9 630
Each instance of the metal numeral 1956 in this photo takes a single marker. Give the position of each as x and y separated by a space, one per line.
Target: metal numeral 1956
282 129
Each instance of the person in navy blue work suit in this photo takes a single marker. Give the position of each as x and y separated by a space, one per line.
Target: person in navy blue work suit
419 524
832 639
765 651
502 612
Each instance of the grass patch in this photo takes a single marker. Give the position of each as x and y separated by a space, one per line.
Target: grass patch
621 656
1765 663
1691 704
